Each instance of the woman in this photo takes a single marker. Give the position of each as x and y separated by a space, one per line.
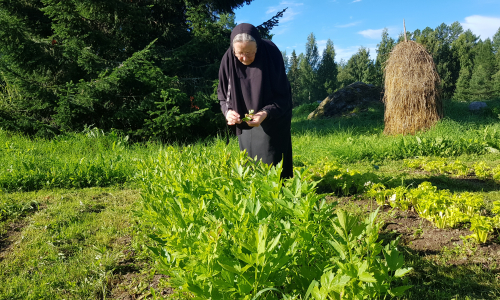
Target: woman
252 77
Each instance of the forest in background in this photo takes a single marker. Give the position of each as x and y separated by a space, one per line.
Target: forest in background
148 69
469 67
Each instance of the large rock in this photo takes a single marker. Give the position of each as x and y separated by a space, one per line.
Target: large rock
358 94
477 105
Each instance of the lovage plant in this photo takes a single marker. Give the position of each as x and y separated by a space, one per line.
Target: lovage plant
227 227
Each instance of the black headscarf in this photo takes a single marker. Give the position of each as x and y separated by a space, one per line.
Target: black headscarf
262 85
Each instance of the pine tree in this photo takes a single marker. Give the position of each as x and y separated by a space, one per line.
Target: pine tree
383 51
327 70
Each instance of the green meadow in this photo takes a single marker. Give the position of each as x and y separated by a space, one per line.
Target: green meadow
70 207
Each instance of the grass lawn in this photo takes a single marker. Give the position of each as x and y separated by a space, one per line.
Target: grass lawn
68 230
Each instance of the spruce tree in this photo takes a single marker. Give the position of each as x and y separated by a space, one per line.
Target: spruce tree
327 70
294 78
361 67
308 86
481 85
113 64
463 49
312 54
310 90
344 77
496 77
286 61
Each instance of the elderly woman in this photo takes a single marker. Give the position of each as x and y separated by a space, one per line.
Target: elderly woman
252 77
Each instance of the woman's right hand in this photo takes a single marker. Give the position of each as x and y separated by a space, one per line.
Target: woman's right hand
232 117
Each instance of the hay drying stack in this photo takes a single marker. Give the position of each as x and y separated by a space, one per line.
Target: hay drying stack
412 99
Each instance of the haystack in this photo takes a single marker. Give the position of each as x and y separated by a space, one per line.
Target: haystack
412 99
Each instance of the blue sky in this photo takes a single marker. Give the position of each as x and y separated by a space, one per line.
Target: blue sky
354 23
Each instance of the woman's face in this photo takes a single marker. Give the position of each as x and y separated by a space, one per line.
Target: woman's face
245 52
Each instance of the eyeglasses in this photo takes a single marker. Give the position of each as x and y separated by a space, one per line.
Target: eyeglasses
246 54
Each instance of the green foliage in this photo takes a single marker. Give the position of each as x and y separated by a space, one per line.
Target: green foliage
227 227
327 71
463 47
481 85
68 162
294 78
384 49
359 272
441 166
333 178
360 67
76 63
443 208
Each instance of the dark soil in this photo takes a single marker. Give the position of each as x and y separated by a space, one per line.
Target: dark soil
422 237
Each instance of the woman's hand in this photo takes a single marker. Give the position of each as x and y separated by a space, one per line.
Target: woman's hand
232 118
257 118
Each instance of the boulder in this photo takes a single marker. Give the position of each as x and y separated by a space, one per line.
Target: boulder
345 100
477 105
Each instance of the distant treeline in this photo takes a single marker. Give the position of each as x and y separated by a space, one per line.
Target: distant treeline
468 66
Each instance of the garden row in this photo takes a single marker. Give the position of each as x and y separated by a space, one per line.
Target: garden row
442 207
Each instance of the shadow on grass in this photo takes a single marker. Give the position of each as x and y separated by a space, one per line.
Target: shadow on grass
369 119
372 118
433 280
456 184
459 112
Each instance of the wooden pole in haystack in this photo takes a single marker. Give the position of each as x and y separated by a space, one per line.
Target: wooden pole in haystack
412 99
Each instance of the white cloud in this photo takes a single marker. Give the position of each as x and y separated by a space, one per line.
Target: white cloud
372 33
321 46
483 26
356 1
346 53
348 25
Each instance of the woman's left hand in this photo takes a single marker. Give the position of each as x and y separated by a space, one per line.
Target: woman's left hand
257 118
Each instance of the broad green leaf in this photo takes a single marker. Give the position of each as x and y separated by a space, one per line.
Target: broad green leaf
232 269
340 248
366 277
273 243
402 272
399 291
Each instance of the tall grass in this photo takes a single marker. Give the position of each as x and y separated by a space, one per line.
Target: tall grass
94 158
359 136
68 161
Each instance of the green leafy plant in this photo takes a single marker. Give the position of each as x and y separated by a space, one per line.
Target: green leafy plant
227 227
358 270
248 117
481 226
